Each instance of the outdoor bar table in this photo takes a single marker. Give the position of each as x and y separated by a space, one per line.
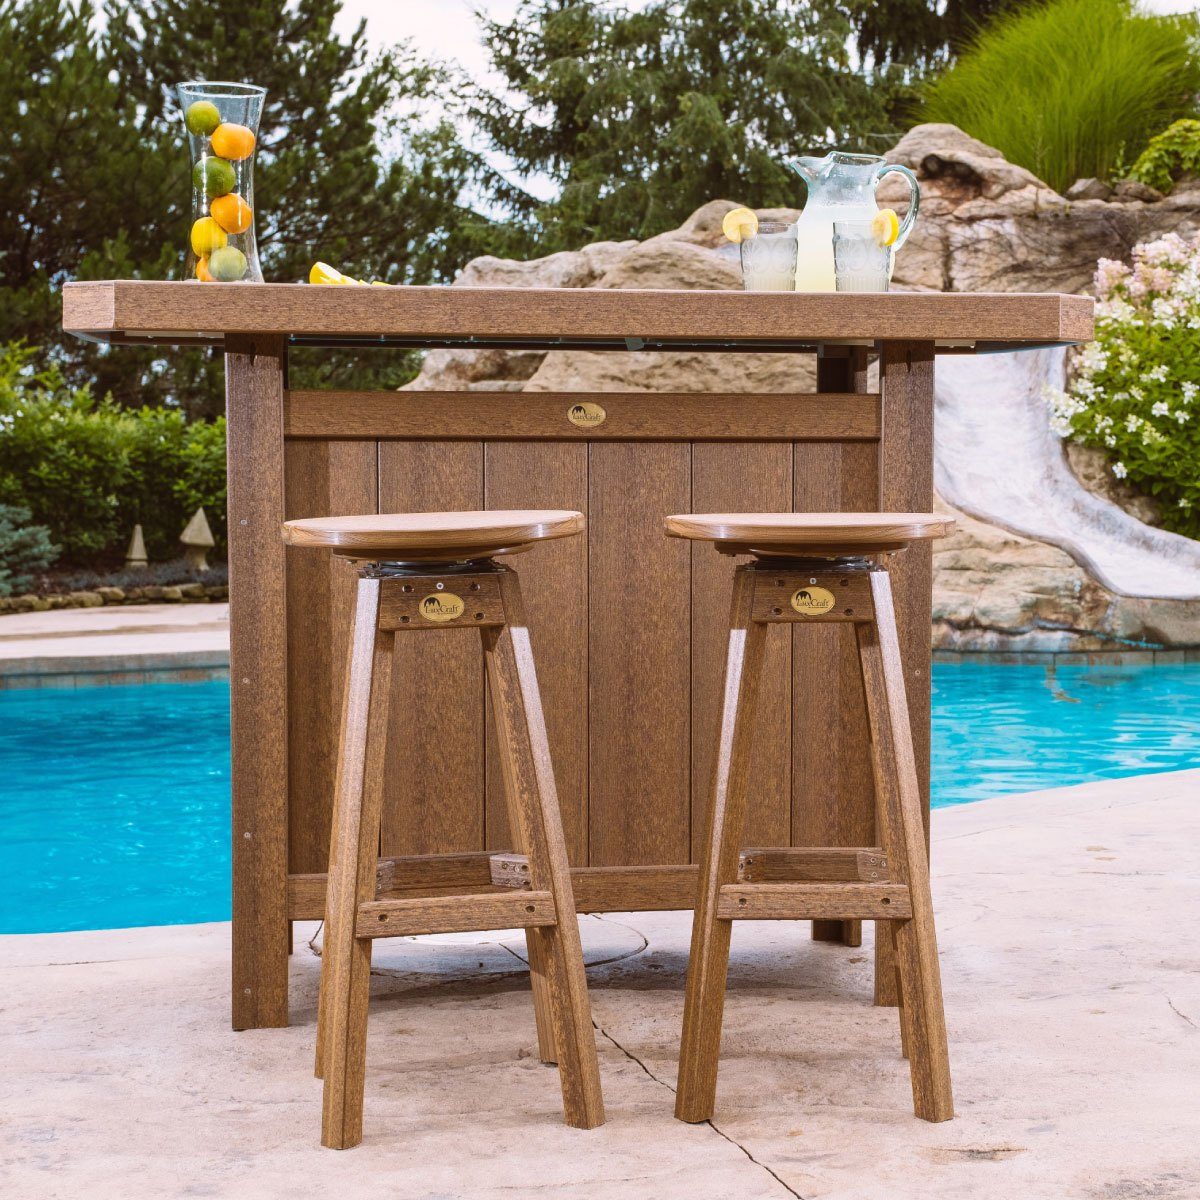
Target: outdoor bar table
628 623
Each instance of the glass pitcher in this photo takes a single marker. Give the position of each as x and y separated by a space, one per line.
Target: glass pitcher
841 187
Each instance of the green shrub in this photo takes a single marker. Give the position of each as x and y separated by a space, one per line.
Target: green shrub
1073 88
1172 153
1135 391
25 549
90 470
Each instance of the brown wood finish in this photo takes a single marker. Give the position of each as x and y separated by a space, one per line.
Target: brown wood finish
539 416
796 531
635 807
760 476
815 864
903 835
409 916
358 806
403 608
163 311
254 374
640 641
900 903
435 768
708 962
832 800
425 534
331 477
534 814
813 901
906 481
554 582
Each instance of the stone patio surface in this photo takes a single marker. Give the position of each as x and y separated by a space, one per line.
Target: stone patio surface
1071 958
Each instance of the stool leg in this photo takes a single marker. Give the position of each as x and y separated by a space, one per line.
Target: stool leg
346 960
708 963
535 818
543 1009
903 837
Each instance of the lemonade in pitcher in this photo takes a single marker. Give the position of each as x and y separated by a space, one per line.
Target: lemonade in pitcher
841 187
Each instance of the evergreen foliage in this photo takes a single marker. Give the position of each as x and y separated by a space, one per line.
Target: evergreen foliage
25 549
638 118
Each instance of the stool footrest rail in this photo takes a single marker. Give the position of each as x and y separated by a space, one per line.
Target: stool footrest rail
454 914
814 901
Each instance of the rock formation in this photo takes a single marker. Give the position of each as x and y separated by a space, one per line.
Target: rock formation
985 225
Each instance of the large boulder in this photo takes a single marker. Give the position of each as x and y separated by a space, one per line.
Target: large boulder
985 225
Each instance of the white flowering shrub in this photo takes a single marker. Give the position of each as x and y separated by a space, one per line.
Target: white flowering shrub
1135 390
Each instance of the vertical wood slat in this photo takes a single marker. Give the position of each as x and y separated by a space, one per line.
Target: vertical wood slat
833 791
639 646
554 584
433 801
906 485
323 479
747 477
254 382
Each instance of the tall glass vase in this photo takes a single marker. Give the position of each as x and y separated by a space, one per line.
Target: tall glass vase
222 127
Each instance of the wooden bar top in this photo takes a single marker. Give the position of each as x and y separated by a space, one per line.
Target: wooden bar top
187 312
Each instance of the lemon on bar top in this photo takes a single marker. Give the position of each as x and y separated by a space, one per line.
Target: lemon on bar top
323 273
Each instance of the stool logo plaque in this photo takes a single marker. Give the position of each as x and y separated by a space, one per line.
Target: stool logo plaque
442 606
586 415
812 601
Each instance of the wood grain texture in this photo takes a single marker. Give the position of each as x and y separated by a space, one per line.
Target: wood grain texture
757 475
554 582
254 381
708 961
453 914
639 639
535 416
812 864
431 532
162 310
433 802
802 529
358 804
524 752
832 799
902 833
813 901
322 479
403 607
906 372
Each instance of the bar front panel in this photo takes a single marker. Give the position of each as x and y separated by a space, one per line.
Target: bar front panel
629 633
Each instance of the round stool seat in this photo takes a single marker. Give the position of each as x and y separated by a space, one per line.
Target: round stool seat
797 534
433 536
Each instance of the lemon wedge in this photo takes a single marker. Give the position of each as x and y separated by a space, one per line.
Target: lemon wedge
324 273
885 226
739 224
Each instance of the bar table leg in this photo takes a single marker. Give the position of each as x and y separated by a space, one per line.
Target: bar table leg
254 383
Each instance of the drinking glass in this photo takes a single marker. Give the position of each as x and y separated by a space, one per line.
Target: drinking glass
769 259
222 127
860 263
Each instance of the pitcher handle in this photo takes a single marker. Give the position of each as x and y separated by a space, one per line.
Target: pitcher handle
914 203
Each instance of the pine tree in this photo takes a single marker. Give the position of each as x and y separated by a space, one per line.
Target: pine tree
641 117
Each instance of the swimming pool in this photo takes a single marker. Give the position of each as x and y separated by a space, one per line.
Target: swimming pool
114 801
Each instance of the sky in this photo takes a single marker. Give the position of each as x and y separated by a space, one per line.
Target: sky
446 28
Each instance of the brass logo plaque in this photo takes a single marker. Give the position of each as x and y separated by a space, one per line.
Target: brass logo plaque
586 415
442 606
812 601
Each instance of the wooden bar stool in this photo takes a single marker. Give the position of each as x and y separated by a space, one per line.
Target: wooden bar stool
816 567
425 571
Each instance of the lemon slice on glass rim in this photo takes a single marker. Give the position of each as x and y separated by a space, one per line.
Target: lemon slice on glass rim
740 224
885 226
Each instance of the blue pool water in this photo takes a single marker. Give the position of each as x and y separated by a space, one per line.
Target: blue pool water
114 801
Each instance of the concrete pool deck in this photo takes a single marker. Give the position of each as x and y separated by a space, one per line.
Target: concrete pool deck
1071 962
114 644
